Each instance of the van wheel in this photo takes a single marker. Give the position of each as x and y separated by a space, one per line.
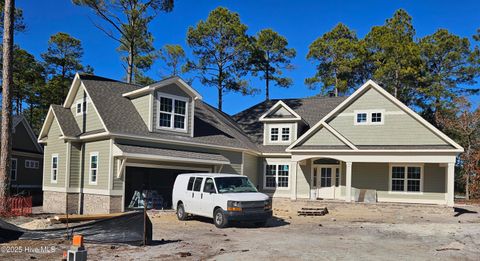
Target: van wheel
181 215
219 218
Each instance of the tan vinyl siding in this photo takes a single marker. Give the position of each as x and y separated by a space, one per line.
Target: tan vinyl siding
103 149
323 137
86 122
173 90
55 146
235 159
250 168
142 105
399 128
75 165
117 182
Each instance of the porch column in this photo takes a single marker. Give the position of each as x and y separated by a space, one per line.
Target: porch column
450 184
348 189
293 182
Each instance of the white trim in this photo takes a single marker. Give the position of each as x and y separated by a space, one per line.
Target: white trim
412 200
155 166
192 119
358 92
405 178
172 159
296 117
150 112
54 181
16 169
339 136
85 191
280 128
70 98
94 107
92 154
110 166
150 88
67 165
276 162
172 113
48 121
83 105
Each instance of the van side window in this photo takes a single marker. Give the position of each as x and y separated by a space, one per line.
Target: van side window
209 187
190 183
198 184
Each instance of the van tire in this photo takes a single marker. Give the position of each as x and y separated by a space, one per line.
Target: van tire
219 218
181 215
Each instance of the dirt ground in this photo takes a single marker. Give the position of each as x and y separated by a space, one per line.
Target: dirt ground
349 231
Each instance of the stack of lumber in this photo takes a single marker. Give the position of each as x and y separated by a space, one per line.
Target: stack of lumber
81 218
312 211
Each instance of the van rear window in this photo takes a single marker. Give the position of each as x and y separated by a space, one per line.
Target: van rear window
198 184
190 183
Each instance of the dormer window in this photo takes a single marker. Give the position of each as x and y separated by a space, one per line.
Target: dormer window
172 112
369 117
280 133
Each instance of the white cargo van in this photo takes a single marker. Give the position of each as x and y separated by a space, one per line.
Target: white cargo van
223 197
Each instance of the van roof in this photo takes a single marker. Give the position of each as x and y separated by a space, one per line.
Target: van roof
214 175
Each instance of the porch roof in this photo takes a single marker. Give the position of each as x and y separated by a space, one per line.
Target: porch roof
149 153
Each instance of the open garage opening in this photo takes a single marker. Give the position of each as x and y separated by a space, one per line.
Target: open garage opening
159 181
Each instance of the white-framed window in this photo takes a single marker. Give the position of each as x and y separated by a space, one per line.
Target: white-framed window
369 117
406 178
172 112
54 169
93 172
81 106
277 175
280 133
32 164
13 169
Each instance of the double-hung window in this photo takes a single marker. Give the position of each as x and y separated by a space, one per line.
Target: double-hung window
406 178
13 169
277 176
54 169
172 112
93 177
81 106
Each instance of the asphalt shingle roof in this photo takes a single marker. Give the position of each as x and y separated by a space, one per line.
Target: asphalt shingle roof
120 116
181 154
66 121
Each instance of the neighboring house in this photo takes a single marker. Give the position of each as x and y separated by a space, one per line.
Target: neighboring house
27 161
111 138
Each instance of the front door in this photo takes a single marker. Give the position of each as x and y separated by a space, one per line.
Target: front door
326 178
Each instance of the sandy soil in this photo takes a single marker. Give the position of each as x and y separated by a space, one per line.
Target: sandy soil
349 231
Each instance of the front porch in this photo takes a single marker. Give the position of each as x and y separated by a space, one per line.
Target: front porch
424 179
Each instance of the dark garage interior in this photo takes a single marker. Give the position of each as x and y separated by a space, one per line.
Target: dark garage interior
159 180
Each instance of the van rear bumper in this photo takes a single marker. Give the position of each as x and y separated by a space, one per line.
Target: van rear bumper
248 216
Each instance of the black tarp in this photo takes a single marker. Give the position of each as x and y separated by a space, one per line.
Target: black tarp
124 229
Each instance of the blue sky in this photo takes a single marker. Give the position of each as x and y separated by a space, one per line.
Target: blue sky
300 21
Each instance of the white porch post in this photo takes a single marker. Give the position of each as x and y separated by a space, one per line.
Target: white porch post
348 189
293 182
450 184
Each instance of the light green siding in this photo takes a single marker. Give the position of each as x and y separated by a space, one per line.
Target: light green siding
89 121
142 105
75 165
399 128
375 176
304 179
103 149
323 137
54 146
250 168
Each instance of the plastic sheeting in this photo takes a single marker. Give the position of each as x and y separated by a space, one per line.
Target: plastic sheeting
124 229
